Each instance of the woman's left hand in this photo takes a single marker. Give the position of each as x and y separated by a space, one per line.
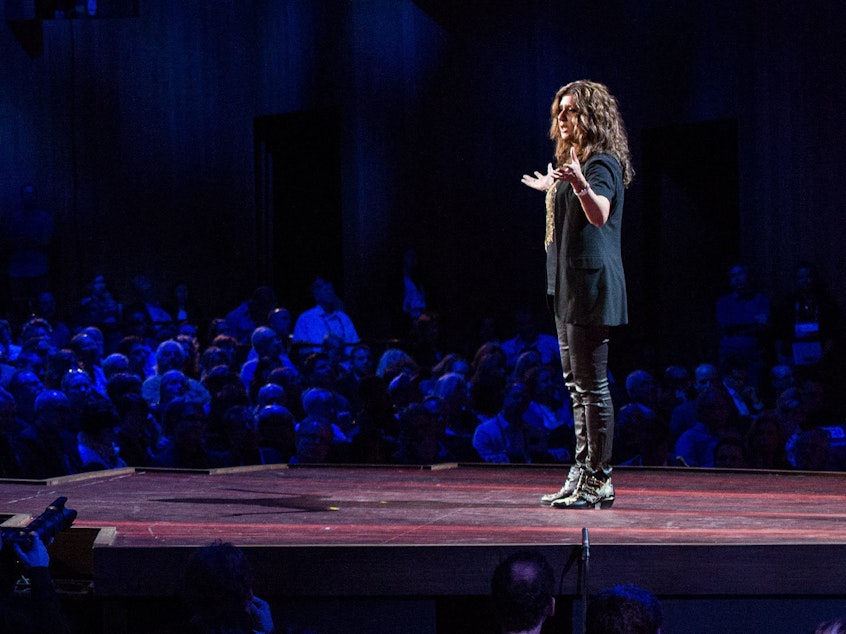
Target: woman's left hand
571 172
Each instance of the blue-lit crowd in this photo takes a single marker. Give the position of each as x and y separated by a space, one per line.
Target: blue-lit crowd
149 384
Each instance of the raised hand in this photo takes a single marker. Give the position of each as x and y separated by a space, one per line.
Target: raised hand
541 182
570 172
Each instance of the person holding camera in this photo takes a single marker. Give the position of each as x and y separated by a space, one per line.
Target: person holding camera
40 612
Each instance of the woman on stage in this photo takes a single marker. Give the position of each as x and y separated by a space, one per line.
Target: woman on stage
585 280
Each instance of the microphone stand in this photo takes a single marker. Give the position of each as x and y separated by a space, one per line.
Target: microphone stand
583 574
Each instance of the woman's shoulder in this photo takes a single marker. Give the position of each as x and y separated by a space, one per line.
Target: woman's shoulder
604 169
604 159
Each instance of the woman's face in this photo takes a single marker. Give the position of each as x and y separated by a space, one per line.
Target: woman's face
567 118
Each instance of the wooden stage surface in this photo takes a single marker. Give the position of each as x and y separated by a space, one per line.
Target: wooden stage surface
430 531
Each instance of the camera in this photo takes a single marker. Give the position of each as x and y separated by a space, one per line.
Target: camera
50 523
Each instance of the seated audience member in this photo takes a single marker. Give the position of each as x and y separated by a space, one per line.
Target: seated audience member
57 367
361 361
144 299
528 360
229 395
25 386
181 306
7 369
813 450
242 435
52 448
250 314
624 610
139 435
77 386
507 437
452 362
219 593
765 444
729 453
652 444
487 383
171 356
460 423
675 389
191 345
321 405
550 394
403 391
743 394
99 307
683 417
522 590
781 377
791 415
40 612
313 441
327 317
421 434
142 361
9 350
377 412
122 384
425 344
14 461
184 429
318 372
263 369
35 354
292 382
282 322
343 383
173 385
210 358
45 308
696 446
276 433
394 362
97 444
218 326
232 349
37 328
643 399
265 343
115 363
271 394
528 337
372 446
87 352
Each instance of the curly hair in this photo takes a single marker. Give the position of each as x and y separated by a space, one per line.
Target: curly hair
599 128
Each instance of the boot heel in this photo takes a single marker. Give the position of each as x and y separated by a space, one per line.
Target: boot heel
604 504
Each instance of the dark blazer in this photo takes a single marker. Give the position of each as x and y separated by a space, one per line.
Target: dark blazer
590 287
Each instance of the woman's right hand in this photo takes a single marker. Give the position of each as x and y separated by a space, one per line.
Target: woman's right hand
541 182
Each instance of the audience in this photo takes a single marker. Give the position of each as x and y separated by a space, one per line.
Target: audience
308 390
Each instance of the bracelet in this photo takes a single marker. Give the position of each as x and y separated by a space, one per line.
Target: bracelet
584 190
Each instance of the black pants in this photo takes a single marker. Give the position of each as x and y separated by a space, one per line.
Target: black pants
584 358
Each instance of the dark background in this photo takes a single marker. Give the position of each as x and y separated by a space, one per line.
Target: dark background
233 143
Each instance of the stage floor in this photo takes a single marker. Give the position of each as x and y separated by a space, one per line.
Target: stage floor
400 531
